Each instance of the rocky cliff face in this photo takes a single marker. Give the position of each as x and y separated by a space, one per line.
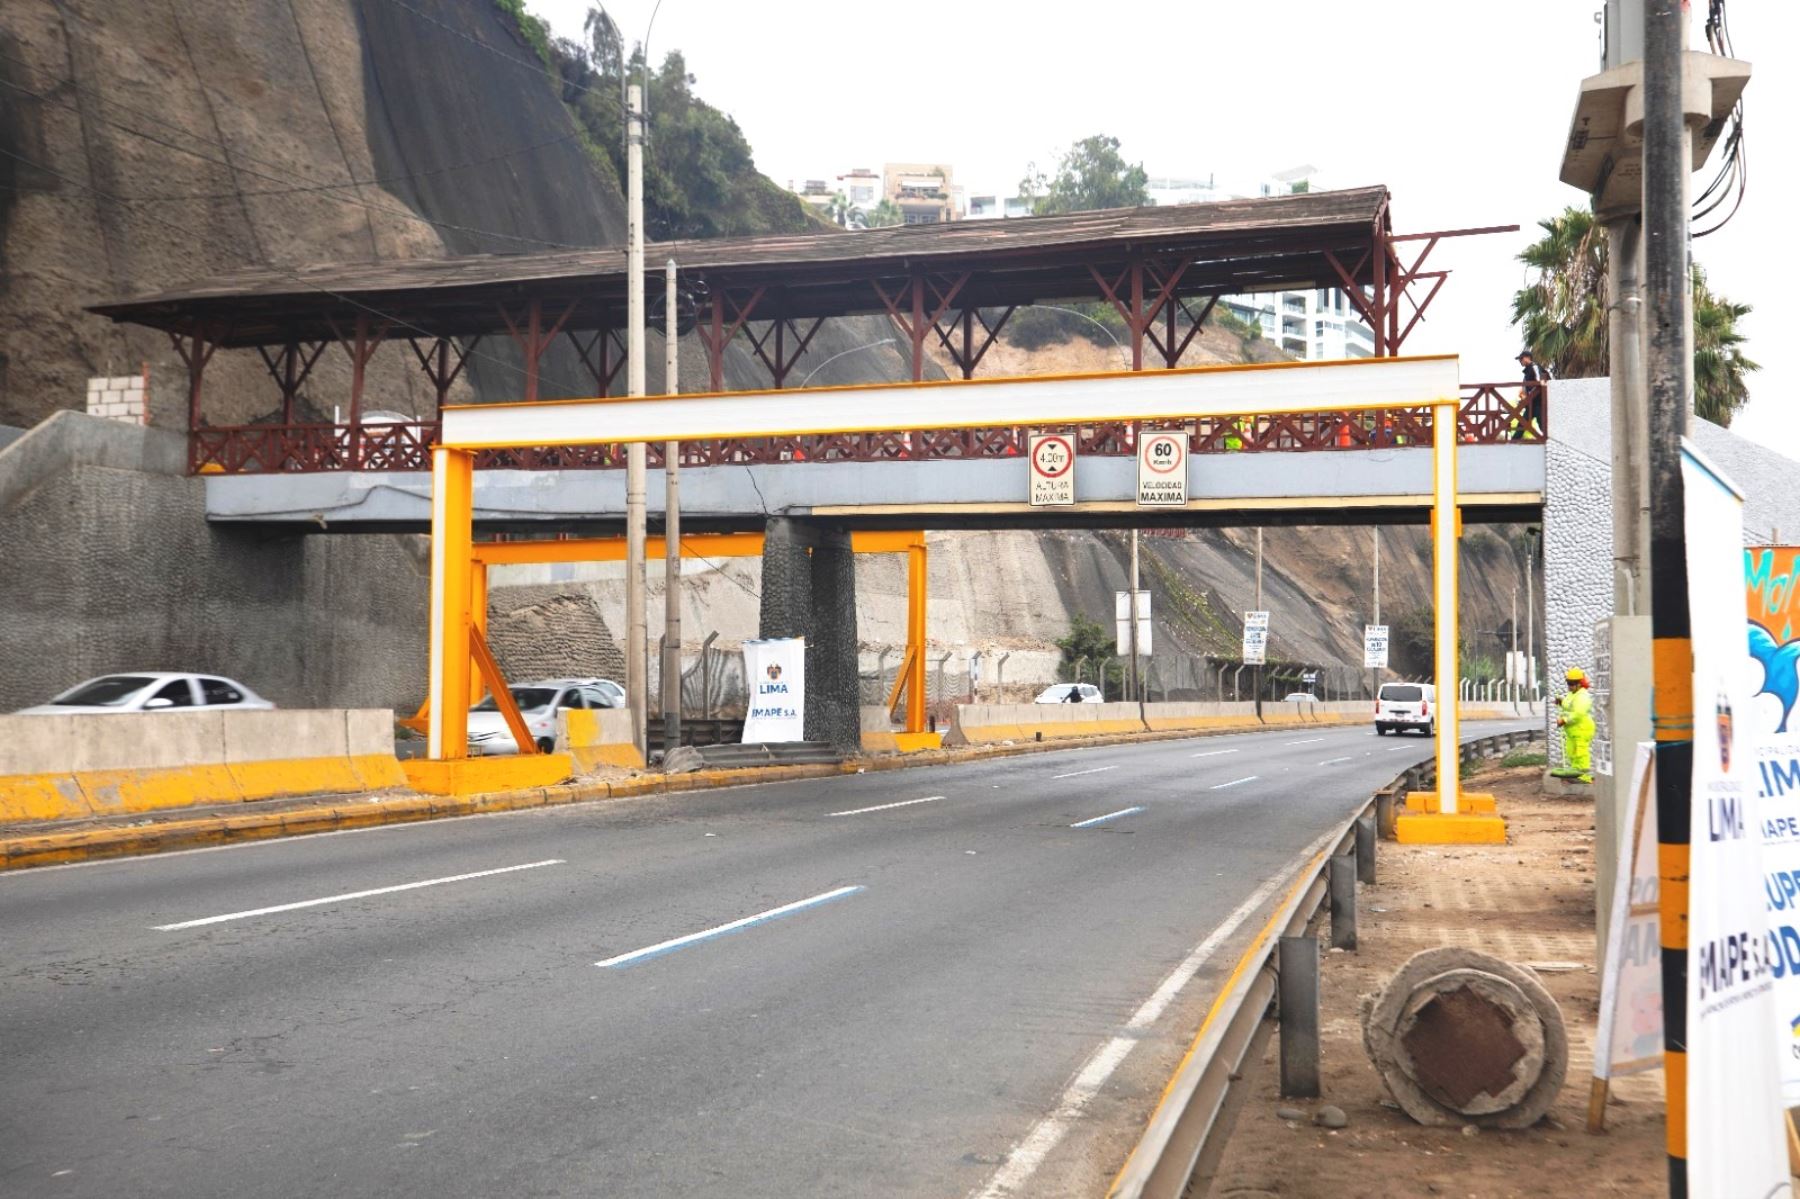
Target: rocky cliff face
142 145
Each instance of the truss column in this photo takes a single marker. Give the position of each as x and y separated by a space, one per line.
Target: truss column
1379 300
1136 319
714 341
917 331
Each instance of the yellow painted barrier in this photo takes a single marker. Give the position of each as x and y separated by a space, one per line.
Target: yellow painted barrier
595 740
481 776
70 767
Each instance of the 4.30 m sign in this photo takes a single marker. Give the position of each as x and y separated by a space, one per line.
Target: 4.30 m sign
1162 469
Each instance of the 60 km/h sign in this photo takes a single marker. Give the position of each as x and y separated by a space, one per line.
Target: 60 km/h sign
1162 469
1052 469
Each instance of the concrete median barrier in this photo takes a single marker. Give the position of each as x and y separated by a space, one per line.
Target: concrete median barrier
1199 717
595 740
987 724
69 767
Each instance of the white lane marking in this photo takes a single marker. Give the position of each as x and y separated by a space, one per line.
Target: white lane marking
905 803
1029 1153
1108 816
1248 778
786 909
1335 761
1078 773
1213 753
1394 749
1305 741
347 896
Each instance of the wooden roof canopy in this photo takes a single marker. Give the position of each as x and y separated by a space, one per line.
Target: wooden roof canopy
1231 246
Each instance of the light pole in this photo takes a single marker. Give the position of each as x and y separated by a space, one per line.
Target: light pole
671 665
637 635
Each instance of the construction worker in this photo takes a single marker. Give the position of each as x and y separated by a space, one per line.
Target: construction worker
1575 716
1527 422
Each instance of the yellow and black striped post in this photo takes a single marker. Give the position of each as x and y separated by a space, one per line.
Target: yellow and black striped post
1668 366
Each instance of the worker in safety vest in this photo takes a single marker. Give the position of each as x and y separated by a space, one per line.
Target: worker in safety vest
1575 715
1234 434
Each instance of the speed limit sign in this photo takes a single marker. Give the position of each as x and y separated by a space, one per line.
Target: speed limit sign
1052 469
1162 469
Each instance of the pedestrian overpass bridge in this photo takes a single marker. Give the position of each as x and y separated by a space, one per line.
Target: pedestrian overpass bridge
1321 468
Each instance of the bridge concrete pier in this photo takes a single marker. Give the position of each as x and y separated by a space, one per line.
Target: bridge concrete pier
809 590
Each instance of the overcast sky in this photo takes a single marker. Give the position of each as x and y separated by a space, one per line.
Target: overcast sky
1460 108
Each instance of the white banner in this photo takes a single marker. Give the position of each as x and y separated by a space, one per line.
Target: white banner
1256 638
1052 469
1778 818
1122 623
776 673
1631 1012
1375 647
1735 1139
1162 469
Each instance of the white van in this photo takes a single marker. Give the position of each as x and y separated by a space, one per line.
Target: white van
1400 706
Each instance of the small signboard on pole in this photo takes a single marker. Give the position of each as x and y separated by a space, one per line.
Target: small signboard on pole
1162 469
1122 622
1256 638
1052 469
1375 647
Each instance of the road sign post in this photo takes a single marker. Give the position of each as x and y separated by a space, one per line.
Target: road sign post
1162 469
1052 457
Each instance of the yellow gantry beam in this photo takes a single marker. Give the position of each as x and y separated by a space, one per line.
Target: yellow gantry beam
1275 388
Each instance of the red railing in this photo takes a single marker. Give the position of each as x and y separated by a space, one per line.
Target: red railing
1491 414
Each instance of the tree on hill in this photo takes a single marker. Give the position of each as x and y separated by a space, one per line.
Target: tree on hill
1561 314
700 179
1087 651
1091 174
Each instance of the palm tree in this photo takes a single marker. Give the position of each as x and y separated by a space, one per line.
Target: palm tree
1719 362
883 214
1562 312
839 208
1562 315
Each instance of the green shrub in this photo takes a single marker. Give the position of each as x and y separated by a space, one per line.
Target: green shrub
1525 757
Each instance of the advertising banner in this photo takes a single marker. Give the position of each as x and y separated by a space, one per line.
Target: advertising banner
1052 469
1162 469
1375 647
776 673
1772 607
1735 1137
1256 638
1122 621
1631 1012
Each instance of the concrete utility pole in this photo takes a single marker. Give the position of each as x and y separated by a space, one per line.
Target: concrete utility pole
637 633
671 667
1375 671
1669 364
1256 674
1512 660
1131 614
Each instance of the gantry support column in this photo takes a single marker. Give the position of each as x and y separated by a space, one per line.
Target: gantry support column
452 593
833 699
916 590
1446 519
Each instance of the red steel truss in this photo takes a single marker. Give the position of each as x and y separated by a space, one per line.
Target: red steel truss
949 289
1492 414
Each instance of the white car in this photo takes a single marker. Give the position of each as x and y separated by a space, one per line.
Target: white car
539 702
149 691
1299 697
1401 706
1070 693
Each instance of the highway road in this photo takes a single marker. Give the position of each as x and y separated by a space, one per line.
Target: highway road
947 981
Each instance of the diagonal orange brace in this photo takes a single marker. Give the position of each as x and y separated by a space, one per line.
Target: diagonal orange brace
503 698
900 678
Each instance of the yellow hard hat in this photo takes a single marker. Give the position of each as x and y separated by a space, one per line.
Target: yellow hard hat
1576 675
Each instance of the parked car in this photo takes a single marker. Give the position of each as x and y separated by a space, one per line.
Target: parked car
538 702
1299 697
1070 693
1400 706
150 691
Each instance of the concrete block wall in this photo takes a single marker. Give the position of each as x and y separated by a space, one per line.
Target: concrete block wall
107 563
123 398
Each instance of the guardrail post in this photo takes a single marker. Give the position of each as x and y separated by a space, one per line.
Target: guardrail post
1365 850
1384 813
1342 880
1298 995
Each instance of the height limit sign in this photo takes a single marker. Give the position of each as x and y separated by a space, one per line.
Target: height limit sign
1162 469
1052 469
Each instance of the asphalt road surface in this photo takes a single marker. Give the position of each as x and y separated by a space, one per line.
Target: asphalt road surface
942 981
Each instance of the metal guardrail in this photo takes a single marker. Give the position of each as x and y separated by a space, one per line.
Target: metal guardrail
1187 1134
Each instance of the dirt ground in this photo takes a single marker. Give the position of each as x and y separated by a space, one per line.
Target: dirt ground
1530 903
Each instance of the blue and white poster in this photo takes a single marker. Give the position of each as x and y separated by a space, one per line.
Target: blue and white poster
1736 1144
775 671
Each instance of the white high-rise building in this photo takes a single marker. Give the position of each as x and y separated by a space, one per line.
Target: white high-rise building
1315 325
